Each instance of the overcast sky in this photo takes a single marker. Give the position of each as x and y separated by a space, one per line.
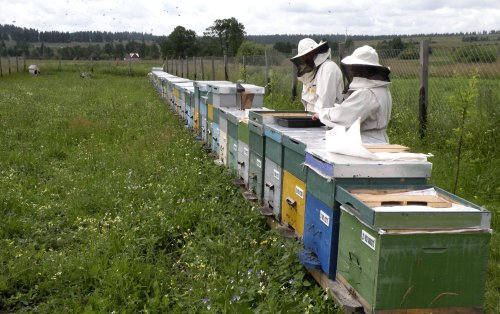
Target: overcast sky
260 17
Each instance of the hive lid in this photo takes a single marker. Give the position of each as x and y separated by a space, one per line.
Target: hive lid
204 85
234 88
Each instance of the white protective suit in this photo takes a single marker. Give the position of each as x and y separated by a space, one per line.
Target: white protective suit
371 101
323 87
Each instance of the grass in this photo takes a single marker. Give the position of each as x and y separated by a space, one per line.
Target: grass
100 211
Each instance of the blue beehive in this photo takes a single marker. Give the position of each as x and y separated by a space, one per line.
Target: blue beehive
321 232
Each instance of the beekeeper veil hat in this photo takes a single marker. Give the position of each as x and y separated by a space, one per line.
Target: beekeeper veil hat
365 55
308 45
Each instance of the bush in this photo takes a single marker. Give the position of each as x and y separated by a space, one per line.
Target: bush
475 54
409 54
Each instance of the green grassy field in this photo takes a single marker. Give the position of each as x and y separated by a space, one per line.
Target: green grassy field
108 203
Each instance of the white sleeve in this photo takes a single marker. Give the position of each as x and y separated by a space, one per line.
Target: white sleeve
361 103
329 85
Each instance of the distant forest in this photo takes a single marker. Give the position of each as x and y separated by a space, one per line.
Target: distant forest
32 43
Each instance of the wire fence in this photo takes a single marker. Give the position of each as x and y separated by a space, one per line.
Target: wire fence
275 71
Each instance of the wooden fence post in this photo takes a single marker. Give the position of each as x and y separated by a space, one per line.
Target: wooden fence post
225 68
24 63
244 69
182 66
165 65
423 91
130 66
1 70
194 61
8 61
294 77
202 69
268 79
187 67
213 69
17 64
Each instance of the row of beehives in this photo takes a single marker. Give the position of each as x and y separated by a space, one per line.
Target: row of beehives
377 227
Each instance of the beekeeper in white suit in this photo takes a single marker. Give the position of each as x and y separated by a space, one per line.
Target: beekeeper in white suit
321 77
368 97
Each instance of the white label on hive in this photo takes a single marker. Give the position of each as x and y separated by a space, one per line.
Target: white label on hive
276 174
299 192
258 162
245 151
324 218
235 147
368 239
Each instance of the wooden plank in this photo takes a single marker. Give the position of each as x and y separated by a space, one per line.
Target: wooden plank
286 114
386 148
366 306
266 211
372 200
342 296
249 196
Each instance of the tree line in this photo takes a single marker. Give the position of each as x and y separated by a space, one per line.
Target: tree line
30 35
223 37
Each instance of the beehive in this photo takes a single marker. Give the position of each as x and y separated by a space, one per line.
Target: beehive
415 267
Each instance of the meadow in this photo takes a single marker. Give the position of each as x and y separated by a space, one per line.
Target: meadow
109 204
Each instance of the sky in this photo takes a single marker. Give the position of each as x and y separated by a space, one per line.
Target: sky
259 17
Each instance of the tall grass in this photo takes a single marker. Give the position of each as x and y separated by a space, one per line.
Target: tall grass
109 205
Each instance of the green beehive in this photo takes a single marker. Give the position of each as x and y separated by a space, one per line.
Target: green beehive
294 146
404 264
407 270
233 116
243 132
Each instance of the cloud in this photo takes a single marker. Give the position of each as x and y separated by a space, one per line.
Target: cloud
160 17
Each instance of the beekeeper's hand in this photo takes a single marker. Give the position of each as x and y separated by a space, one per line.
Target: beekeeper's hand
315 116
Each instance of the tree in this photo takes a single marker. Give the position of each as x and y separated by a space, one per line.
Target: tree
154 51
165 48
208 46
108 49
249 48
132 46
143 49
284 47
230 34
395 43
349 43
183 42
119 51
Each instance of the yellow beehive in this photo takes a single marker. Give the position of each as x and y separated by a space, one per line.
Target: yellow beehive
293 202
210 112
196 121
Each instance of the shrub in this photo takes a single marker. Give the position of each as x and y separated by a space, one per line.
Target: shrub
475 54
409 54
